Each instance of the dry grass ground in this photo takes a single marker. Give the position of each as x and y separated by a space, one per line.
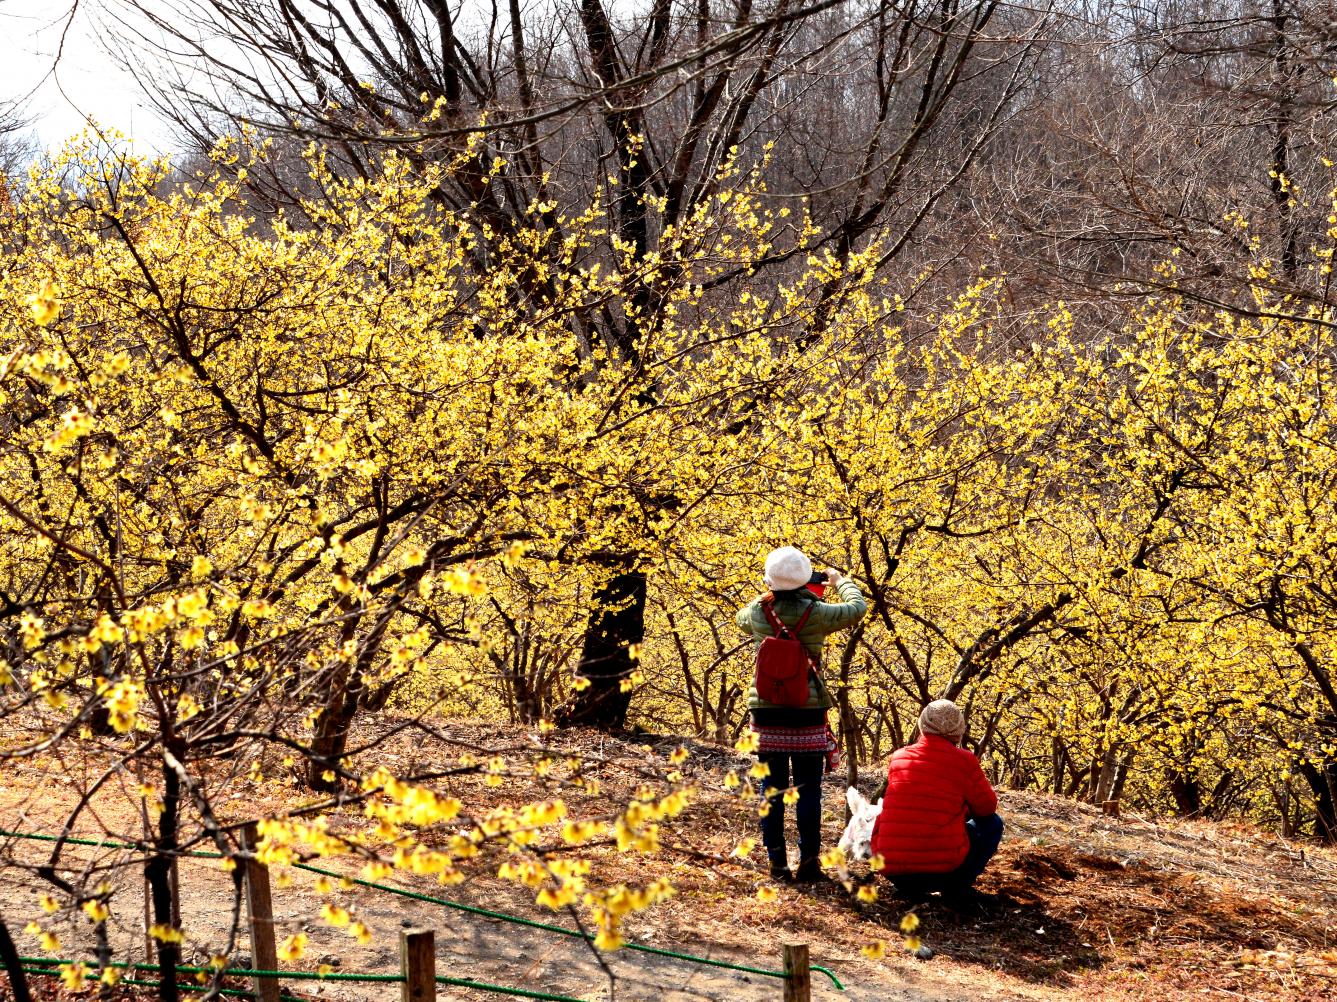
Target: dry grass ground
1075 905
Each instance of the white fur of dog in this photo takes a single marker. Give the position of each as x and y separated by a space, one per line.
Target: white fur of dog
859 832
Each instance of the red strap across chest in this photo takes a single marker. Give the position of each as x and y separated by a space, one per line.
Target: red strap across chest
768 608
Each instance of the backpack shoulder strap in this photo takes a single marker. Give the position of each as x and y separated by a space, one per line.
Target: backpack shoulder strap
779 628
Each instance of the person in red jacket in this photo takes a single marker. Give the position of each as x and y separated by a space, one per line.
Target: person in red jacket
939 825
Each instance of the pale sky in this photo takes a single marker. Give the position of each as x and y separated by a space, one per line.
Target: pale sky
86 80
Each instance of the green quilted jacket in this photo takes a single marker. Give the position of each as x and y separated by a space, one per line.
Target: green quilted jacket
827 617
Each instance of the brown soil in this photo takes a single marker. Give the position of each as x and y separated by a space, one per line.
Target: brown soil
1076 904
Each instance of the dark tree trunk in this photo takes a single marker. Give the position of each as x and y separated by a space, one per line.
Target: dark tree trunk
1187 793
18 981
616 622
331 738
1282 197
1322 780
158 873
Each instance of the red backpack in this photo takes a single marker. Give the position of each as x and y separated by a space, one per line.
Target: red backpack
782 662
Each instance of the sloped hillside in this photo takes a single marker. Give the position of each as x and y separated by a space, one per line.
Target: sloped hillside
1077 904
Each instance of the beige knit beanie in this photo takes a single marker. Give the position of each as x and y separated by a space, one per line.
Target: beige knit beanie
944 718
787 569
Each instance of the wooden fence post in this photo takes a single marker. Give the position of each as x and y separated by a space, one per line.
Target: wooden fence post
260 908
417 962
798 985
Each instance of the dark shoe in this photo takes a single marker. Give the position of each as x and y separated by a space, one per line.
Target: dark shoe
780 872
810 872
912 894
965 901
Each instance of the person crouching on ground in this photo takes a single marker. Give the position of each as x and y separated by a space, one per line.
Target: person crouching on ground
939 825
794 740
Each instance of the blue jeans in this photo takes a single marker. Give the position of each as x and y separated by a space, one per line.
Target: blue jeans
805 772
984 834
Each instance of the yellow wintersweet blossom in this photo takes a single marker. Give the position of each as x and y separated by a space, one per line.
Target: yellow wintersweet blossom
44 304
74 976
49 941
834 857
293 947
580 832
122 700
334 915
607 938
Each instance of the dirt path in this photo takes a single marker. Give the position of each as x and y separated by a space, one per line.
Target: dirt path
1077 905
468 946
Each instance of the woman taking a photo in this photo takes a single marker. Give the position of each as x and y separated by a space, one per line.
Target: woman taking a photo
789 700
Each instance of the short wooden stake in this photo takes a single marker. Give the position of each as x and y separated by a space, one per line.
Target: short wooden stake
798 984
417 962
260 908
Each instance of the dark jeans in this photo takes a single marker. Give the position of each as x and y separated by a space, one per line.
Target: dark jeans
805 772
984 833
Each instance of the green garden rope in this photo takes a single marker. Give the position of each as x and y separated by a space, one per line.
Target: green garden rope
47 972
50 962
241 972
459 906
516 919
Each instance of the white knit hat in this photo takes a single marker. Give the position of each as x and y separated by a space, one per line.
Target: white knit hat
944 718
787 569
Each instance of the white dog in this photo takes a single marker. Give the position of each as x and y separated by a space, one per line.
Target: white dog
859 832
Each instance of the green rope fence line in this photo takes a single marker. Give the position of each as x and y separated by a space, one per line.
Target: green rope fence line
441 979
246 992
517 920
460 906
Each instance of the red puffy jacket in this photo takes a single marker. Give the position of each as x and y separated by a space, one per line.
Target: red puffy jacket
931 785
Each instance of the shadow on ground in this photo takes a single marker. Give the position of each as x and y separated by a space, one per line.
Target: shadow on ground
1045 915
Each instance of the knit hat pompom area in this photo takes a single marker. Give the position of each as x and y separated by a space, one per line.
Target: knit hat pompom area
943 718
787 569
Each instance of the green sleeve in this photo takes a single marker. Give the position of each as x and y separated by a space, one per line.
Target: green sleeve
744 618
832 616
